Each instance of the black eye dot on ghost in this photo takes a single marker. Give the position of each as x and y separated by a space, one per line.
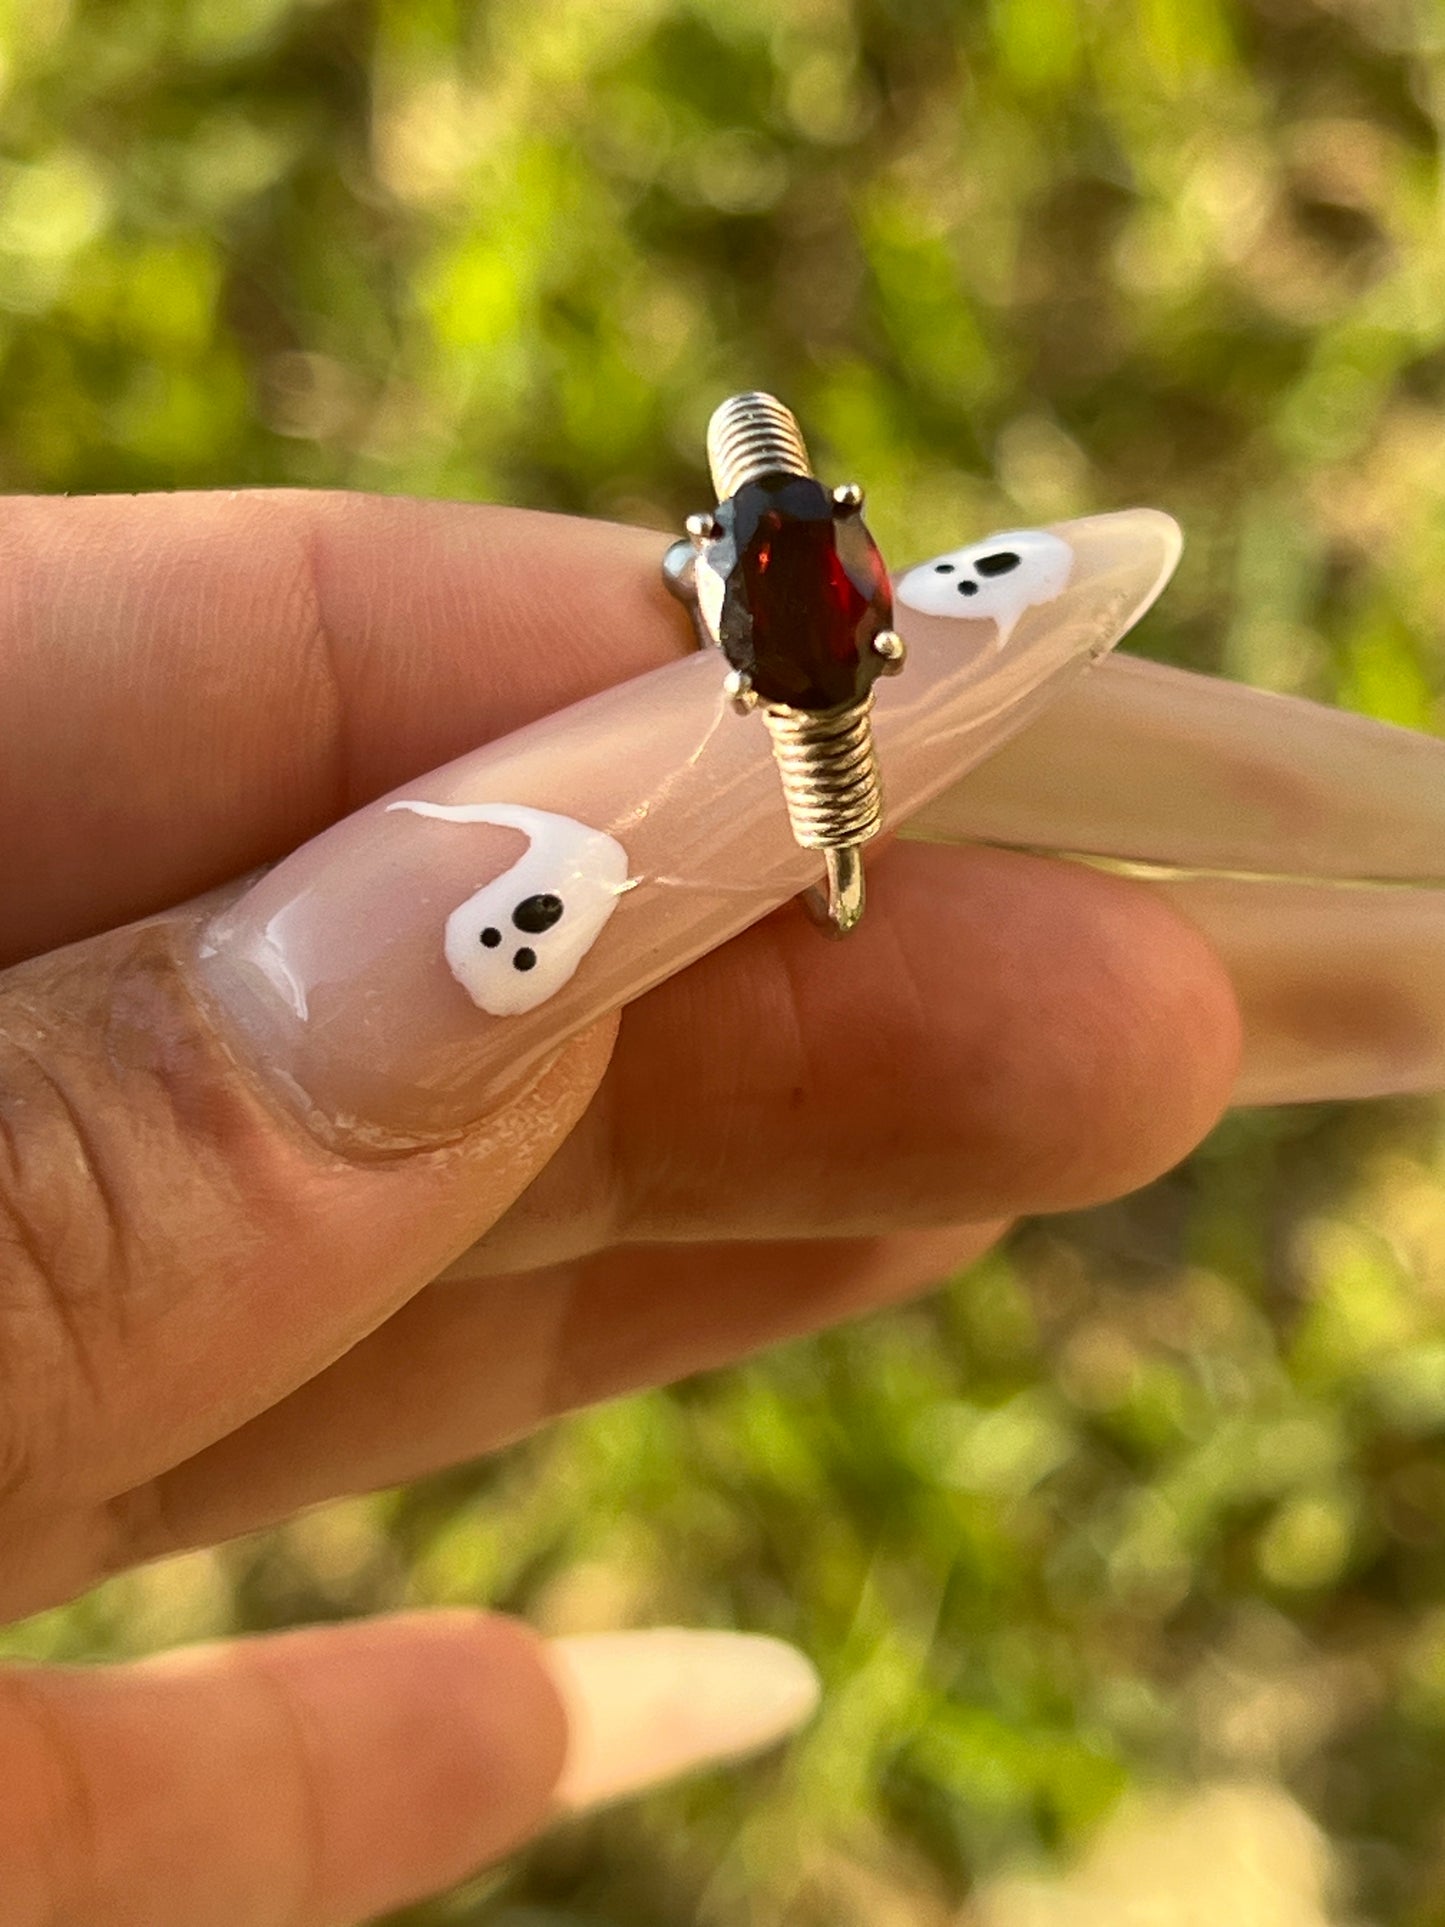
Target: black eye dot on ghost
525 959
943 568
536 914
491 938
999 563
968 588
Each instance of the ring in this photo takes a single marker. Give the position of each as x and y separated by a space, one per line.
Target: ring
784 578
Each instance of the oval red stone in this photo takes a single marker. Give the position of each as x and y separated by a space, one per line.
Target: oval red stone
805 593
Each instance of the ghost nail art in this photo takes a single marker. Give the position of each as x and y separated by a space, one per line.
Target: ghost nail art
354 973
519 939
995 579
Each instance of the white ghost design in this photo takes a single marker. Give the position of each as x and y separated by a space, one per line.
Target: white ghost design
520 938
998 578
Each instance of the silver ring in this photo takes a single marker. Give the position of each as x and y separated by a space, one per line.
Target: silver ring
785 580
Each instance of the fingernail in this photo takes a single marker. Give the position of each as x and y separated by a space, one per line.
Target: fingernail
1305 841
403 973
645 1708
1160 765
1341 991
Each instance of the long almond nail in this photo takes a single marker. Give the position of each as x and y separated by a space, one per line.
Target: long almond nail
1305 841
406 970
1161 765
1341 989
644 1708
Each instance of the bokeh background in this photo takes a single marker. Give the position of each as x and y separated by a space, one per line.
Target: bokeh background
1123 1557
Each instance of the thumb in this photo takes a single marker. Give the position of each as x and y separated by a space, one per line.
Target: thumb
181 1249
317 1778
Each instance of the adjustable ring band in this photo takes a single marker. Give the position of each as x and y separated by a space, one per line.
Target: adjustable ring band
785 580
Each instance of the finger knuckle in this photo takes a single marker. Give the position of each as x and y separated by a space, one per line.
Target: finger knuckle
98 1083
57 1230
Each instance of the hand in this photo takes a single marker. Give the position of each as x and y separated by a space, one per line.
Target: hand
223 1209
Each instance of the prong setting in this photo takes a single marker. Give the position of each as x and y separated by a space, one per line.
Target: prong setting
786 581
738 688
679 571
892 649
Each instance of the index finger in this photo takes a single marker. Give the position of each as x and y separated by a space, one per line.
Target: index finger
194 684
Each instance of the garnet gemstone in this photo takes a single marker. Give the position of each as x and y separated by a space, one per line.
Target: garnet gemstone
804 592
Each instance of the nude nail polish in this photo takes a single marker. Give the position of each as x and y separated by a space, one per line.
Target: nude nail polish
1304 840
647 1708
405 971
1160 765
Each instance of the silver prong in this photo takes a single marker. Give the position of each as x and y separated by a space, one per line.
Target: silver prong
848 497
841 909
892 648
679 570
702 527
738 688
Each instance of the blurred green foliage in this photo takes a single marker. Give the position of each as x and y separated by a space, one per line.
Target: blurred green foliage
1161 1490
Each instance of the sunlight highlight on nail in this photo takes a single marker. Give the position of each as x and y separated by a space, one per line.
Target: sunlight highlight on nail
645 1708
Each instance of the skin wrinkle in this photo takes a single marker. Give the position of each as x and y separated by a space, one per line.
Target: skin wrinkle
609 1223
566 1385
600 1356
95 1184
667 1187
160 1058
650 1312
42 1240
553 1394
77 1546
1023 1111
76 1822
1135 1095
907 981
1094 1052
992 1064
602 1187
422 601
801 1050
324 648
47 1560
135 1527
310 1807
53 1555
464 610
315 686
97 1260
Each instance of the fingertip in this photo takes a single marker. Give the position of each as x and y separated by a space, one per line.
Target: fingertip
1002 1034
1170 1040
1136 1035
1069 1032
325 1775
1188 1069
445 1733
